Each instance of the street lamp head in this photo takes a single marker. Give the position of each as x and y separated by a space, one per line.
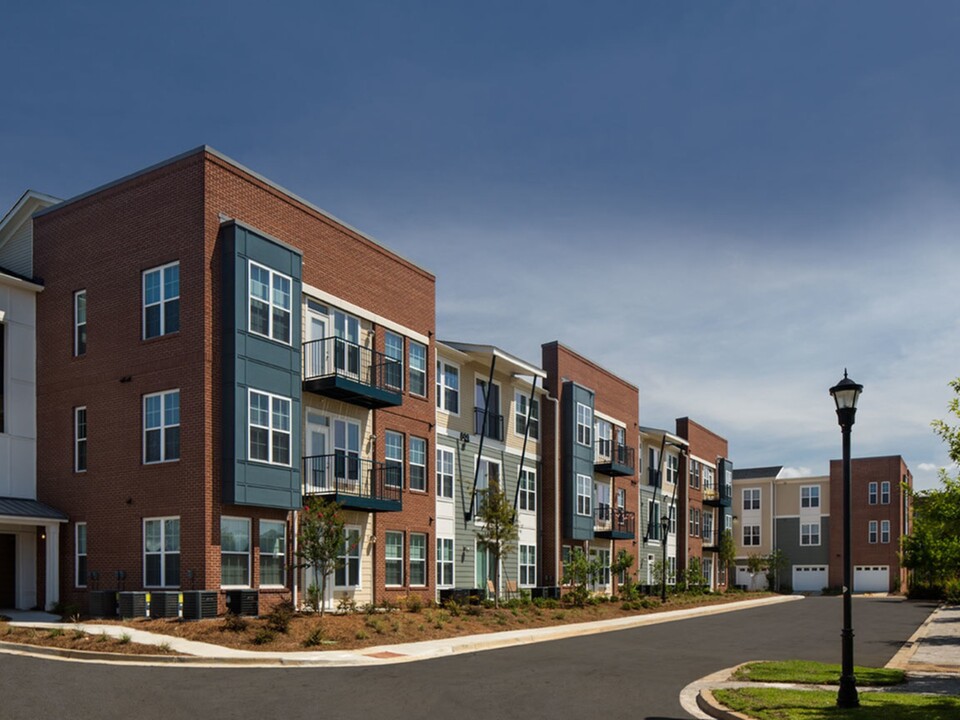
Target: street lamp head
845 395
664 522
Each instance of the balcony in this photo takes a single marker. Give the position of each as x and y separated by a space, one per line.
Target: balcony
613 459
355 483
344 370
491 426
614 523
721 496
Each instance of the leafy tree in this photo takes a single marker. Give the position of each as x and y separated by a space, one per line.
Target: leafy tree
621 566
727 552
580 572
320 543
776 564
499 529
695 578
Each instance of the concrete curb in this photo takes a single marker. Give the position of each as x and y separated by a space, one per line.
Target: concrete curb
901 660
712 707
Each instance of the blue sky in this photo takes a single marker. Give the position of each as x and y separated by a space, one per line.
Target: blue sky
725 203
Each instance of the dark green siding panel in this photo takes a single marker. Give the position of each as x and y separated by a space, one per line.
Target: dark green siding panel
577 460
253 362
788 540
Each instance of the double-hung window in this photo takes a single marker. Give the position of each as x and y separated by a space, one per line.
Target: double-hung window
885 493
672 469
444 562
161 427
79 323
234 552
672 514
394 457
528 489
810 533
393 349
884 531
810 496
872 493
394 559
273 547
161 552
348 574
270 303
872 532
161 300
418 559
528 565
418 464
584 495
751 499
418 368
445 473
80 549
584 424
653 519
448 387
526 415
269 437
80 439
751 534
707 527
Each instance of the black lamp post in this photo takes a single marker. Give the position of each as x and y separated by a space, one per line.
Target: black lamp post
845 394
665 527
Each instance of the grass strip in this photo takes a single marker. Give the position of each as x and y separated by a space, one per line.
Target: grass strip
814 673
776 704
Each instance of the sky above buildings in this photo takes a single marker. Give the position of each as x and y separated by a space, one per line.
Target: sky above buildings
725 203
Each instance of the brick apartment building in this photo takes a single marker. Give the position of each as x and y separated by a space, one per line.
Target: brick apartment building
239 350
591 429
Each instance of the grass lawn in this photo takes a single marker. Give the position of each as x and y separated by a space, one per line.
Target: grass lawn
774 704
814 673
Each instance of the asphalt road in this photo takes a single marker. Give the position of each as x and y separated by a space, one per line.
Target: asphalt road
636 674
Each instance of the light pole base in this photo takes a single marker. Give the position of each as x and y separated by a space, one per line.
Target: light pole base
847 697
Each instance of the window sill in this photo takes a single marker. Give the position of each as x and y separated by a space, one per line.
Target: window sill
155 463
273 588
164 336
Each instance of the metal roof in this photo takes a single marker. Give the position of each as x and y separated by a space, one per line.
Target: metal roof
757 473
25 508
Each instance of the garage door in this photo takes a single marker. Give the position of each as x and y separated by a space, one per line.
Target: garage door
809 578
756 582
871 578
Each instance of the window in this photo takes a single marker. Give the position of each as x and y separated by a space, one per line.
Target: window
445 473
709 478
269 304
694 474
707 527
269 428
696 523
528 565
810 496
885 493
393 349
673 519
81 555
444 562
566 554
602 577
527 411
161 427
394 458
161 552
751 534
394 558
584 424
348 574
489 471
418 464
418 559
448 387
161 300
751 499
810 534
673 469
671 570
884 531
604 433
273 546
872 493
418 368
528 489
234 552
80 439
621 499
79 323
584 495
653 519
872 532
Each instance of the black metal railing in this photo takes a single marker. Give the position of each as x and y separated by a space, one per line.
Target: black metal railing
614 519
349 475
610 451
336 357
490 426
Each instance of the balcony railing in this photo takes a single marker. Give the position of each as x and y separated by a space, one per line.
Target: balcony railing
718 495
612 458
353 481
614 523
347 371
491 426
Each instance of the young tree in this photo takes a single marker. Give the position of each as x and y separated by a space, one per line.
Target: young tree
695 579
498 530
580 572
320 543
776 563
755 565
621 566
727 553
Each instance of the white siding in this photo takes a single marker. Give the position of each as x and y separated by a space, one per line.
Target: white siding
17 253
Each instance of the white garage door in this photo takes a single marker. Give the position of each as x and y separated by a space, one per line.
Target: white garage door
809 578
871 578
756 582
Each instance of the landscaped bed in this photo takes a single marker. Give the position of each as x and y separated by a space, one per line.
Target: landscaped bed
72 638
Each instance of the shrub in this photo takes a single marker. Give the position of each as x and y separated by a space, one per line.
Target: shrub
263 636
413 603
361 635
278 619
234 622
546 603
346 605
124 638
375 624
315 637
474 610
54 632
452 607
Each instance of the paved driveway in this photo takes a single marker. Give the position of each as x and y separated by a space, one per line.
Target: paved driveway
632 674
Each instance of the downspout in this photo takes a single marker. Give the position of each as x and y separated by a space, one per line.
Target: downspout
486 409
295 586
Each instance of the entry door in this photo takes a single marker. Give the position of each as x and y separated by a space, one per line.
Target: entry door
484 567
315 358
347 351
346 446
8 571
492 401
319 478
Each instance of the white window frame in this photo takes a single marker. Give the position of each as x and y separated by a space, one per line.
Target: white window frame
653 520
872 495
603 433
350 554
584 495
672 514
271 430
80 440
445 562
387 559
281 555
442 388
872 532
527 571
672 471
528 490
162 302
415 368
810 496
77 580
754 498
707 533
884 531
162 553
162 428
387 337
418 459
751 532
483 482
270 302
79 323
810 534
443 478
524 410
422 562
885 492
584 425
389 455
248 553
